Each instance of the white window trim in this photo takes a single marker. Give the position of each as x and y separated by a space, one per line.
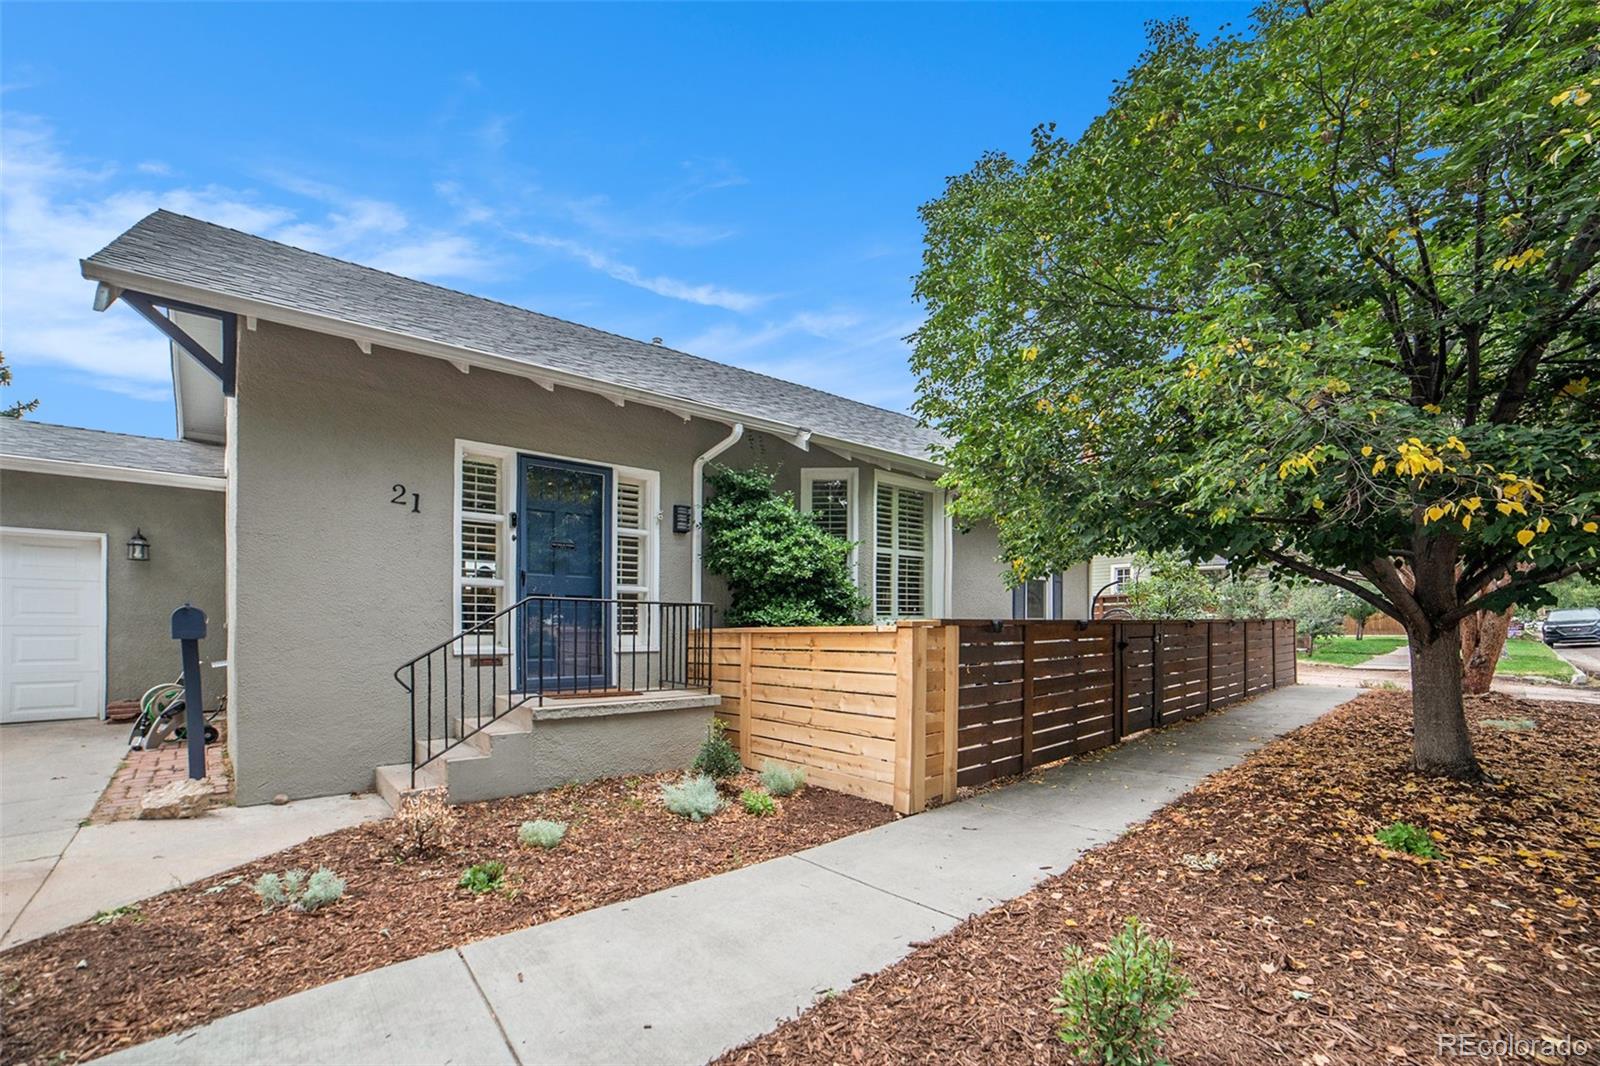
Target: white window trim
507 456
939 526
851 477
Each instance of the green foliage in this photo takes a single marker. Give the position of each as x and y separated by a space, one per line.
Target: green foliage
1317 610
781 780
1511 725
130 911
1361 611
694 798
294 889
782 569
1115 1007
1318 295
1576 591
1348 651
1170 586
21 407
483 877
541 833
717 757
1403 836
755 801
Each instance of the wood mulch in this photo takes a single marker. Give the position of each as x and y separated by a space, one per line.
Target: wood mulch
1309 943
208 950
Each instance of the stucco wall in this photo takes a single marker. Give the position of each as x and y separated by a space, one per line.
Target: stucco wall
185 530
978 582
338 586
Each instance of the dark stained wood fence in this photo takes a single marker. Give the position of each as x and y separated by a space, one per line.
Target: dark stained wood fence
1035 691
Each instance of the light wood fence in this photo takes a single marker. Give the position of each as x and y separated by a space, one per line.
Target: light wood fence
903 713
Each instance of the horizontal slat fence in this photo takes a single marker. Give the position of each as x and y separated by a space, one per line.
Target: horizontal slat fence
862 708
1034 691
904 713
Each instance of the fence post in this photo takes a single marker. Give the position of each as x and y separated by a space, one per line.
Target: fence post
911 708
745 643
1119 684
1158 682
952 709
1027 695
1211 642
1273 629
1245 672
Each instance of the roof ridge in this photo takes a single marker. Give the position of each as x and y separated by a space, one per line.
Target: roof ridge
517 308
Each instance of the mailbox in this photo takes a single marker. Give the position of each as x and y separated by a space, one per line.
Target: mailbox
188 623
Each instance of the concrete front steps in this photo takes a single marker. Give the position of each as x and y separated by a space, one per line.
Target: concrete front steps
532 748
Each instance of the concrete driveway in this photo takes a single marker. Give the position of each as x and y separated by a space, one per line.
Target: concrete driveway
51 773
1585 657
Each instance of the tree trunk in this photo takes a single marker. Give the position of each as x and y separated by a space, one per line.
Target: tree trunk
1483 638
1443 747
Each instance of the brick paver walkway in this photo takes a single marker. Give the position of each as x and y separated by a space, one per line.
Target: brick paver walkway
144 771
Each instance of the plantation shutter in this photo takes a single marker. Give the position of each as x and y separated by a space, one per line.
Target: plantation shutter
482 526
902 542
830 506
633 578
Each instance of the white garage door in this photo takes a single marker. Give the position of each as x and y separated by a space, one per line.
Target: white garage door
52 626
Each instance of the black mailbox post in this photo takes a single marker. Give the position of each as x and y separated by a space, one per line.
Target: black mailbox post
189 626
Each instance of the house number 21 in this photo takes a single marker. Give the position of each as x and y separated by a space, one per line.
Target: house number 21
414 499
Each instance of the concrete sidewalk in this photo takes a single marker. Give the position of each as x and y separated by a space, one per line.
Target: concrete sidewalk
683 974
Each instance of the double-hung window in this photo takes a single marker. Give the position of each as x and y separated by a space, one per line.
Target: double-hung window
481 569
903 555
828 495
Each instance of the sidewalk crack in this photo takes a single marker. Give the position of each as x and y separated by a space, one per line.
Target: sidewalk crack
504 1036
878 888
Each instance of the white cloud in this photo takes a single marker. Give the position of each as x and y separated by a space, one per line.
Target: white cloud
704 294
57 210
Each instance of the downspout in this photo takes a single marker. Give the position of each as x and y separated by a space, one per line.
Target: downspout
697 581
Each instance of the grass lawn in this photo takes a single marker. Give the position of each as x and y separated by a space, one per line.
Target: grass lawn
1307 942
1348 651
1528 656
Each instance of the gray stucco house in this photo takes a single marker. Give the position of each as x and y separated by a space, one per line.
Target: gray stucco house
392 464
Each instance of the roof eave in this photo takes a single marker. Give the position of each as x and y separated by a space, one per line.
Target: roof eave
365 336
33 464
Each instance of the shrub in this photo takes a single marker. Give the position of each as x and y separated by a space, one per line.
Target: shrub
423 823
754 801
130 911
695 798
717 757
1403 836
1115 1007
294 889
781 780
541 833
482 877
782 569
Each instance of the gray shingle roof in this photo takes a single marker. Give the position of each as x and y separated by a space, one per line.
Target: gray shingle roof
41 440
187 251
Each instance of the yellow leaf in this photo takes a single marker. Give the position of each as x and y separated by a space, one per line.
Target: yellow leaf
1524 537
1543 525
1262 124
1366 451
1030 354
1431 408
1466 521
1591 527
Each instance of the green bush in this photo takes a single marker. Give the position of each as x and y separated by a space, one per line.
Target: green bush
717 757
1403 836
756 802
482 877
541 833
781 780
695 798
294 889
1115 1007
782 569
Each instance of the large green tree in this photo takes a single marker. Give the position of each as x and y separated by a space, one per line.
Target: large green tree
1319 296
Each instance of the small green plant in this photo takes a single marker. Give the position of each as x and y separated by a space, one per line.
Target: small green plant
717 757
541 833
694 798
293 888
1403 836
1115 1007
130 911
1510 725
781 780
756 802
483 877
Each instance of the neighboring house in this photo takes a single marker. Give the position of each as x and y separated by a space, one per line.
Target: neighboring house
391 446
81 622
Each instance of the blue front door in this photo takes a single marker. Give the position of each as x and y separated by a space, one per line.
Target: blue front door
563 550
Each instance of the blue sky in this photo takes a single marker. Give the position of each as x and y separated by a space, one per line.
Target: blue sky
739 180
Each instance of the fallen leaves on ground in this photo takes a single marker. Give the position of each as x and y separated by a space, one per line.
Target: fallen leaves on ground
208 950
1307 942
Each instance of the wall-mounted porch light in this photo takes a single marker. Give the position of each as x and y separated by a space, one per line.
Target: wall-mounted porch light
138 548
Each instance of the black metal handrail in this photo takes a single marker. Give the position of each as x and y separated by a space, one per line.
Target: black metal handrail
551 647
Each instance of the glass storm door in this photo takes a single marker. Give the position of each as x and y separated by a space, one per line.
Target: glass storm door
562 551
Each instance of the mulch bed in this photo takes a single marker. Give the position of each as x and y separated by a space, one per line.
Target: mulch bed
208 950
1310 943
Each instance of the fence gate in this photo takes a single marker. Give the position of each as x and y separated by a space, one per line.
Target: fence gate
1033 691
